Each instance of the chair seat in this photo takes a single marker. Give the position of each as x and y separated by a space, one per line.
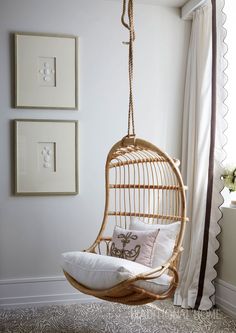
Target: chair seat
101 272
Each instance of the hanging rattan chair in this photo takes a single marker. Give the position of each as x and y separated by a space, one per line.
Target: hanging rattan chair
145 183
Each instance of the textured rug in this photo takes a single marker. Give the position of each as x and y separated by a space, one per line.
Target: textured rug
159 317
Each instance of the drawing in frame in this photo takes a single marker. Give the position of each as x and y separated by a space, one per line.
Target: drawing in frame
46 157
46 71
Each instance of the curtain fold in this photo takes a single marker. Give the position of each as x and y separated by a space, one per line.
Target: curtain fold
202 155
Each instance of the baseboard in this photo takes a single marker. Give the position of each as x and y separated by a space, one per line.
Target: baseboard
226 297
56 290
39 291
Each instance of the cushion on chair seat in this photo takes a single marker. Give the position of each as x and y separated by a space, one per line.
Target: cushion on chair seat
101 272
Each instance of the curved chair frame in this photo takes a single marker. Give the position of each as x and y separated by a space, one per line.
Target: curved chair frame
146 183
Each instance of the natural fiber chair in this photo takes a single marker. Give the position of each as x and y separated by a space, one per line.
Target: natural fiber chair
142 182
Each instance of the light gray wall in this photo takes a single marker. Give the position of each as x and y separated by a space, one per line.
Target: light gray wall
35 230
226 267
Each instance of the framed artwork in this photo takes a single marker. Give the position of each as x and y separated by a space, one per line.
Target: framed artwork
46 71
46 157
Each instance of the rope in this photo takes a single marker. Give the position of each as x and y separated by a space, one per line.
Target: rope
130 27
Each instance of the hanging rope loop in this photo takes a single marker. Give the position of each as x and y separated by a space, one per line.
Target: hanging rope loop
130 27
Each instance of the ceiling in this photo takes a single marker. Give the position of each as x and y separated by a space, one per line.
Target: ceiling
169 3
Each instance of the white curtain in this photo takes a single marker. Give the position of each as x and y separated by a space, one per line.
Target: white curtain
201 165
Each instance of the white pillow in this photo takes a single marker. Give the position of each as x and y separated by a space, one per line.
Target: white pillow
156 286
100 272
165 240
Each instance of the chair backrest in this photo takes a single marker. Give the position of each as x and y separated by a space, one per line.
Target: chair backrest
143 182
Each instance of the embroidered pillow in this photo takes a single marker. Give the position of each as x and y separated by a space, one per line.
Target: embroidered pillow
134 245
